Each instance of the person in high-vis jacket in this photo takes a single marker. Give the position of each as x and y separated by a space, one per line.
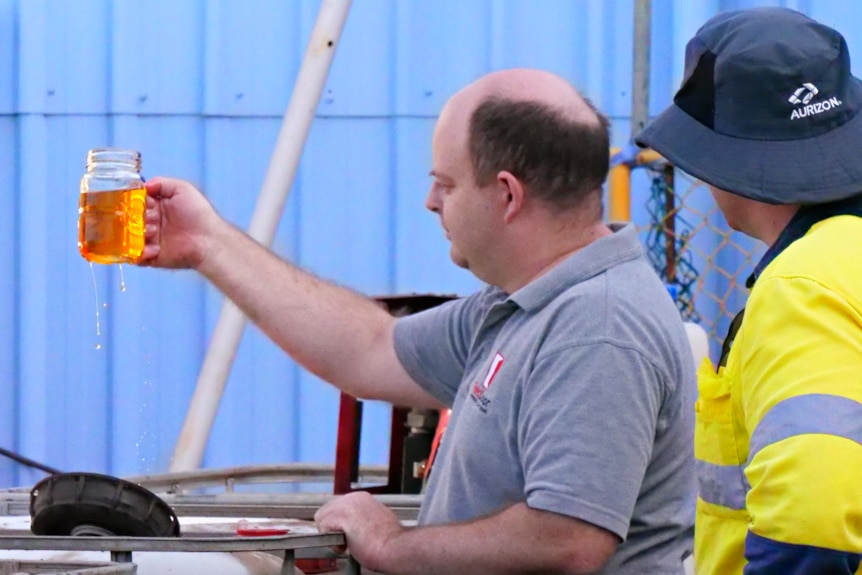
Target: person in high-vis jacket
768 116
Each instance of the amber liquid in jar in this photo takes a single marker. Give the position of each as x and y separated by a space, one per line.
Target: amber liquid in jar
111 225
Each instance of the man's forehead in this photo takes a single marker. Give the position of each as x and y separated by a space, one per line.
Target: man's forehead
445 155
457 110
451 127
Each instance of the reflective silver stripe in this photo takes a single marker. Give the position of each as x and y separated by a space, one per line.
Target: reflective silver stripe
817 413
723 485
807 414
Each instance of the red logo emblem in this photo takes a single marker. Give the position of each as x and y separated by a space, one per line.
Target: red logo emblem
480 388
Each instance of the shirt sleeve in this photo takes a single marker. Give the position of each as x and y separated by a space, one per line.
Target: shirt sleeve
802 400
433 345
586 431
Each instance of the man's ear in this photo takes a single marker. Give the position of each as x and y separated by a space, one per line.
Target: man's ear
514 194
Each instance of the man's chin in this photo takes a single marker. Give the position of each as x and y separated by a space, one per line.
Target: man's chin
458 259
734 226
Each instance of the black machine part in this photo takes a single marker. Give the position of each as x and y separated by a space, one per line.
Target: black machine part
94 504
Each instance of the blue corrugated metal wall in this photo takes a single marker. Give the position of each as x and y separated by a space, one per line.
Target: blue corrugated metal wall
199 87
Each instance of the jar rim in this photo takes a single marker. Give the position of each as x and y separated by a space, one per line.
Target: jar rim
109 155
113 150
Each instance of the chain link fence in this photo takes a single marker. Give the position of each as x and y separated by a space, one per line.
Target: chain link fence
690 245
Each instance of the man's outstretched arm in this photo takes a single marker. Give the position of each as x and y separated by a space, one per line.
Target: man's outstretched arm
341 336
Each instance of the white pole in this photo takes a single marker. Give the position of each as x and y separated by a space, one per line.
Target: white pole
283 163
640 65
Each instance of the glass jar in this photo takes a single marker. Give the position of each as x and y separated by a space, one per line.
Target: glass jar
111 207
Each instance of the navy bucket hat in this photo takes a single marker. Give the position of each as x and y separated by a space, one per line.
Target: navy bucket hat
768 110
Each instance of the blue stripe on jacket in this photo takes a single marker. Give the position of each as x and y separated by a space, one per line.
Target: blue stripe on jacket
768 557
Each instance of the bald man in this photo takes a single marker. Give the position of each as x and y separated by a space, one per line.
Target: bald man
569 448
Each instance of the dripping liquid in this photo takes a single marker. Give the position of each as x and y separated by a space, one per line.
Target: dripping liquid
96 293
98 345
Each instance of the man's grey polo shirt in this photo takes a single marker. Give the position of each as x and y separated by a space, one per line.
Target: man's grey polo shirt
574 394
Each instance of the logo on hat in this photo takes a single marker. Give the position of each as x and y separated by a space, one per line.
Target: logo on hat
803 95
808 89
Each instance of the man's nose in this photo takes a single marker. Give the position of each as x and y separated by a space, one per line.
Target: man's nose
432 200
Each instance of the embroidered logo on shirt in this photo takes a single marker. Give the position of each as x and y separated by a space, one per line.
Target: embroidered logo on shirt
479 389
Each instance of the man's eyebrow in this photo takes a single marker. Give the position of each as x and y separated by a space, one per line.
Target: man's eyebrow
440 176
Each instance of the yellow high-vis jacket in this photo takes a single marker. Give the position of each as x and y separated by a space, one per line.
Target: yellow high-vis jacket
778 437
